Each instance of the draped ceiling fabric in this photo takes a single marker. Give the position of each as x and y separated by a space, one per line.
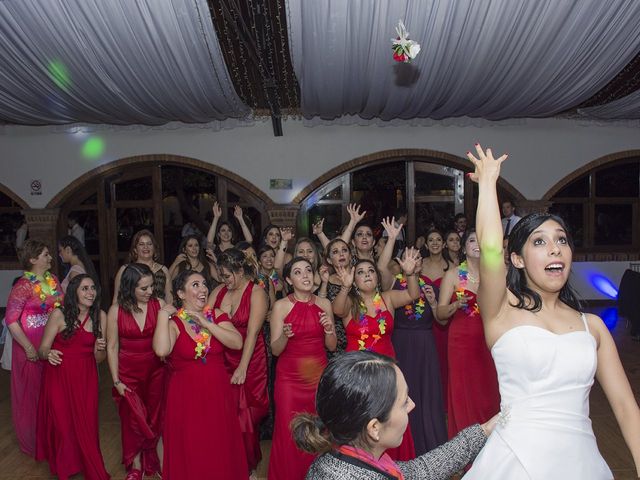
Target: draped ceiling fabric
113 62
625 108
495 59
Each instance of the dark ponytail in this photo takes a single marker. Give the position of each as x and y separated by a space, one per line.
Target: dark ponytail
310 434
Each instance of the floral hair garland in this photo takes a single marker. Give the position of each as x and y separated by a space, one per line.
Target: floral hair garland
362 320
47 289
201 335
415 310
463 280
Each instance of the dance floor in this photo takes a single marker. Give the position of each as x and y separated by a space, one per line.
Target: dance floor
13 464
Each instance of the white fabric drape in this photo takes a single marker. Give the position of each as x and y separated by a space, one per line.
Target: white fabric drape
112 61
625 108
494 59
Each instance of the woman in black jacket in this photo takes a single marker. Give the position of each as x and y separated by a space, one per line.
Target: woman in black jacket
363 406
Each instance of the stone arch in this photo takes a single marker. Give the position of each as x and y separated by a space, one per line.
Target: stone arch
61 197
432 156
598 162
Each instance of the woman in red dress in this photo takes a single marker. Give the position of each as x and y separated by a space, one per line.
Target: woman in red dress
67 434
247 307
473 395
138 374
301 327
201 435
367 313
31 300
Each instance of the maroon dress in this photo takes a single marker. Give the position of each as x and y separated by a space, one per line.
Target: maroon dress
67 427
367 333
473 394
298 372
441 338
251 397
202 438
141 412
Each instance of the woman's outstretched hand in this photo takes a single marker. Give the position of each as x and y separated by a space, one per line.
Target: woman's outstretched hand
486 166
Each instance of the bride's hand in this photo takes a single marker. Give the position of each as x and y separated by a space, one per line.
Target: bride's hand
486 166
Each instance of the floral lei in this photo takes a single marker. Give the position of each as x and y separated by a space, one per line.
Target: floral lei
362 320
410 312
273 275
202 335
463 280
49 288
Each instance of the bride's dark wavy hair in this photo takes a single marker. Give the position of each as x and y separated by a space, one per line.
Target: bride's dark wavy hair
516 277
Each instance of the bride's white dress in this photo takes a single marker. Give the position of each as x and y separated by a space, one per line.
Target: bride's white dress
544 431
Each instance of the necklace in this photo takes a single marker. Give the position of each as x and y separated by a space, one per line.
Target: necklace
201 334
414 310
463 279
48 288
364 326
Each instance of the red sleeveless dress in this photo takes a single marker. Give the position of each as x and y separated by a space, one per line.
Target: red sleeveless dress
473 395
252 397
298 372
67 426
141 410
367 333
202 438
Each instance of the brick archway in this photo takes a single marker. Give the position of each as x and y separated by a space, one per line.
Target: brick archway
102 170
431 156
598 162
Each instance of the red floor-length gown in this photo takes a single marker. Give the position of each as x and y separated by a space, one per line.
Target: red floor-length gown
473 395
26 307
144 374
298 372
68 436
441 338
202 438
376 339
252 397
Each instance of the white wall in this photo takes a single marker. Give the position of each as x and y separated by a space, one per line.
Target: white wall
541 151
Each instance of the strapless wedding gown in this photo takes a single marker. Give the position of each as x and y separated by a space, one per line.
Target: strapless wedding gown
544 430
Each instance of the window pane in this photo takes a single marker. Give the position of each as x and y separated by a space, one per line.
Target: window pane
335 194
573 215
380 190
9 223
577 189
618 181
90 200
434 214
332 215
613 224
88 220
129 221
136 189
428 183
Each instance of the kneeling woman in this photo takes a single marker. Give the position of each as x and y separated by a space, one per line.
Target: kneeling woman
67 431
201 430
363 406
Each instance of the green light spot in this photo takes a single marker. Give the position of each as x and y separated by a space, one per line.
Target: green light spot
93 147
59 74
492 257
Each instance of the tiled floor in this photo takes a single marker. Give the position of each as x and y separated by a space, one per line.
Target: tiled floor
15 465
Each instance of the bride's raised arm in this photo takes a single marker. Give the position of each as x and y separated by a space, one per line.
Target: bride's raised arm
492 294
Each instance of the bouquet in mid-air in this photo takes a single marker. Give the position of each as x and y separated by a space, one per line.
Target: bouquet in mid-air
404 50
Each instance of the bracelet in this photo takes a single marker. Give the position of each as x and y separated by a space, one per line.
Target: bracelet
322 295
344 288
116 383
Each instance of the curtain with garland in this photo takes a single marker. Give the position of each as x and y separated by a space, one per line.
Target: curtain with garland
495 59
116 62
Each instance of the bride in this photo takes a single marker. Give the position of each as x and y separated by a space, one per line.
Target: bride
545 349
